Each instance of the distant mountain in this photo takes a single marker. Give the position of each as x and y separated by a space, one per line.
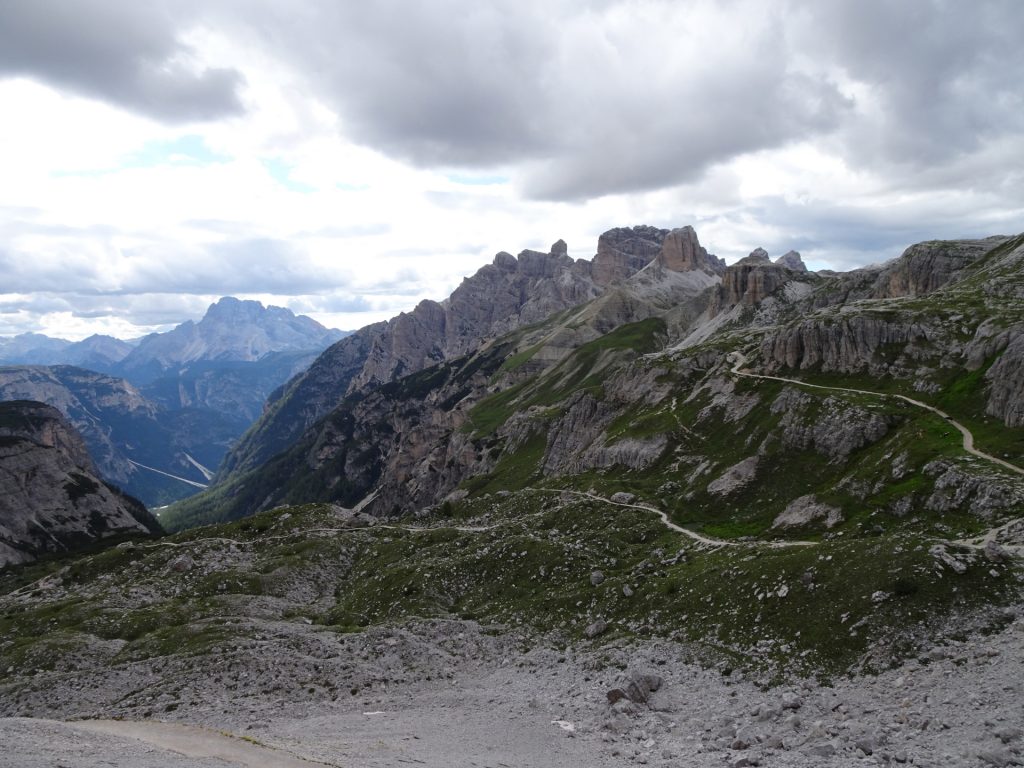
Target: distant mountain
227 363
230 361
231 330
147 449
32 349
51 497
97 353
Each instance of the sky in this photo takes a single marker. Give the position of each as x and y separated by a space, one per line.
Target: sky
347 160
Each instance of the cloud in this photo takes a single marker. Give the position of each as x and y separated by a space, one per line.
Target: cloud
579 100
589 99
934 80
391 148
127 53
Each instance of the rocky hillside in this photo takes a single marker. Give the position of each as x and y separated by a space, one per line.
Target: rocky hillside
125 431
51 498
508 294
633 391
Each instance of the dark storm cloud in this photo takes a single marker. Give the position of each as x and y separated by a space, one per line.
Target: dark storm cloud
591 99
435 83
552 85
125 52
576 100
944 78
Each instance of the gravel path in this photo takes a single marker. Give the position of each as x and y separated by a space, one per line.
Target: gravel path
663 516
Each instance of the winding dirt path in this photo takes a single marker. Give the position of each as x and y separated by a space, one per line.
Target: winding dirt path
968 438
663 516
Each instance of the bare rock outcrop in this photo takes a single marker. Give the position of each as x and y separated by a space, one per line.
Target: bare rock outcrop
51 499
981 495
806 510
835 431
735 477
623 251
750 281
845 345
682 252
1006 385
791 260
925 267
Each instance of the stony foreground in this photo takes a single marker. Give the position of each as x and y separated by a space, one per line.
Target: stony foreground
446 693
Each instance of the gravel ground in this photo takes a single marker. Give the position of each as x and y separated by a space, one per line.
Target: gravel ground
447 693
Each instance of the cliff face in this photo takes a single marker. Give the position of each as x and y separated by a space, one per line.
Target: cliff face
624 251
926 267
51 498
500 297
1006 382
751 280
844 345
681 251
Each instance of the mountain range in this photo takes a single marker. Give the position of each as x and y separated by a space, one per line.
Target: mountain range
616 371
159 411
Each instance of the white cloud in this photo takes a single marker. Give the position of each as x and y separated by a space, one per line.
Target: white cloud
332 176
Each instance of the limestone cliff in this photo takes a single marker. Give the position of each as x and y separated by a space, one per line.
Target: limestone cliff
750 281
51 498
623 251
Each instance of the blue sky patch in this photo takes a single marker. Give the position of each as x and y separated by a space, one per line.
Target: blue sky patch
477 181
183 150
280 171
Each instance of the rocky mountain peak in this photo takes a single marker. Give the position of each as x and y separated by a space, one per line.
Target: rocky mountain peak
231 329
543 265
624 251
756 256
228 307
505 261
791 260
31 348
681 251
559 248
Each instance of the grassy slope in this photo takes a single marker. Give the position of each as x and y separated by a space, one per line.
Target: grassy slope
817 609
